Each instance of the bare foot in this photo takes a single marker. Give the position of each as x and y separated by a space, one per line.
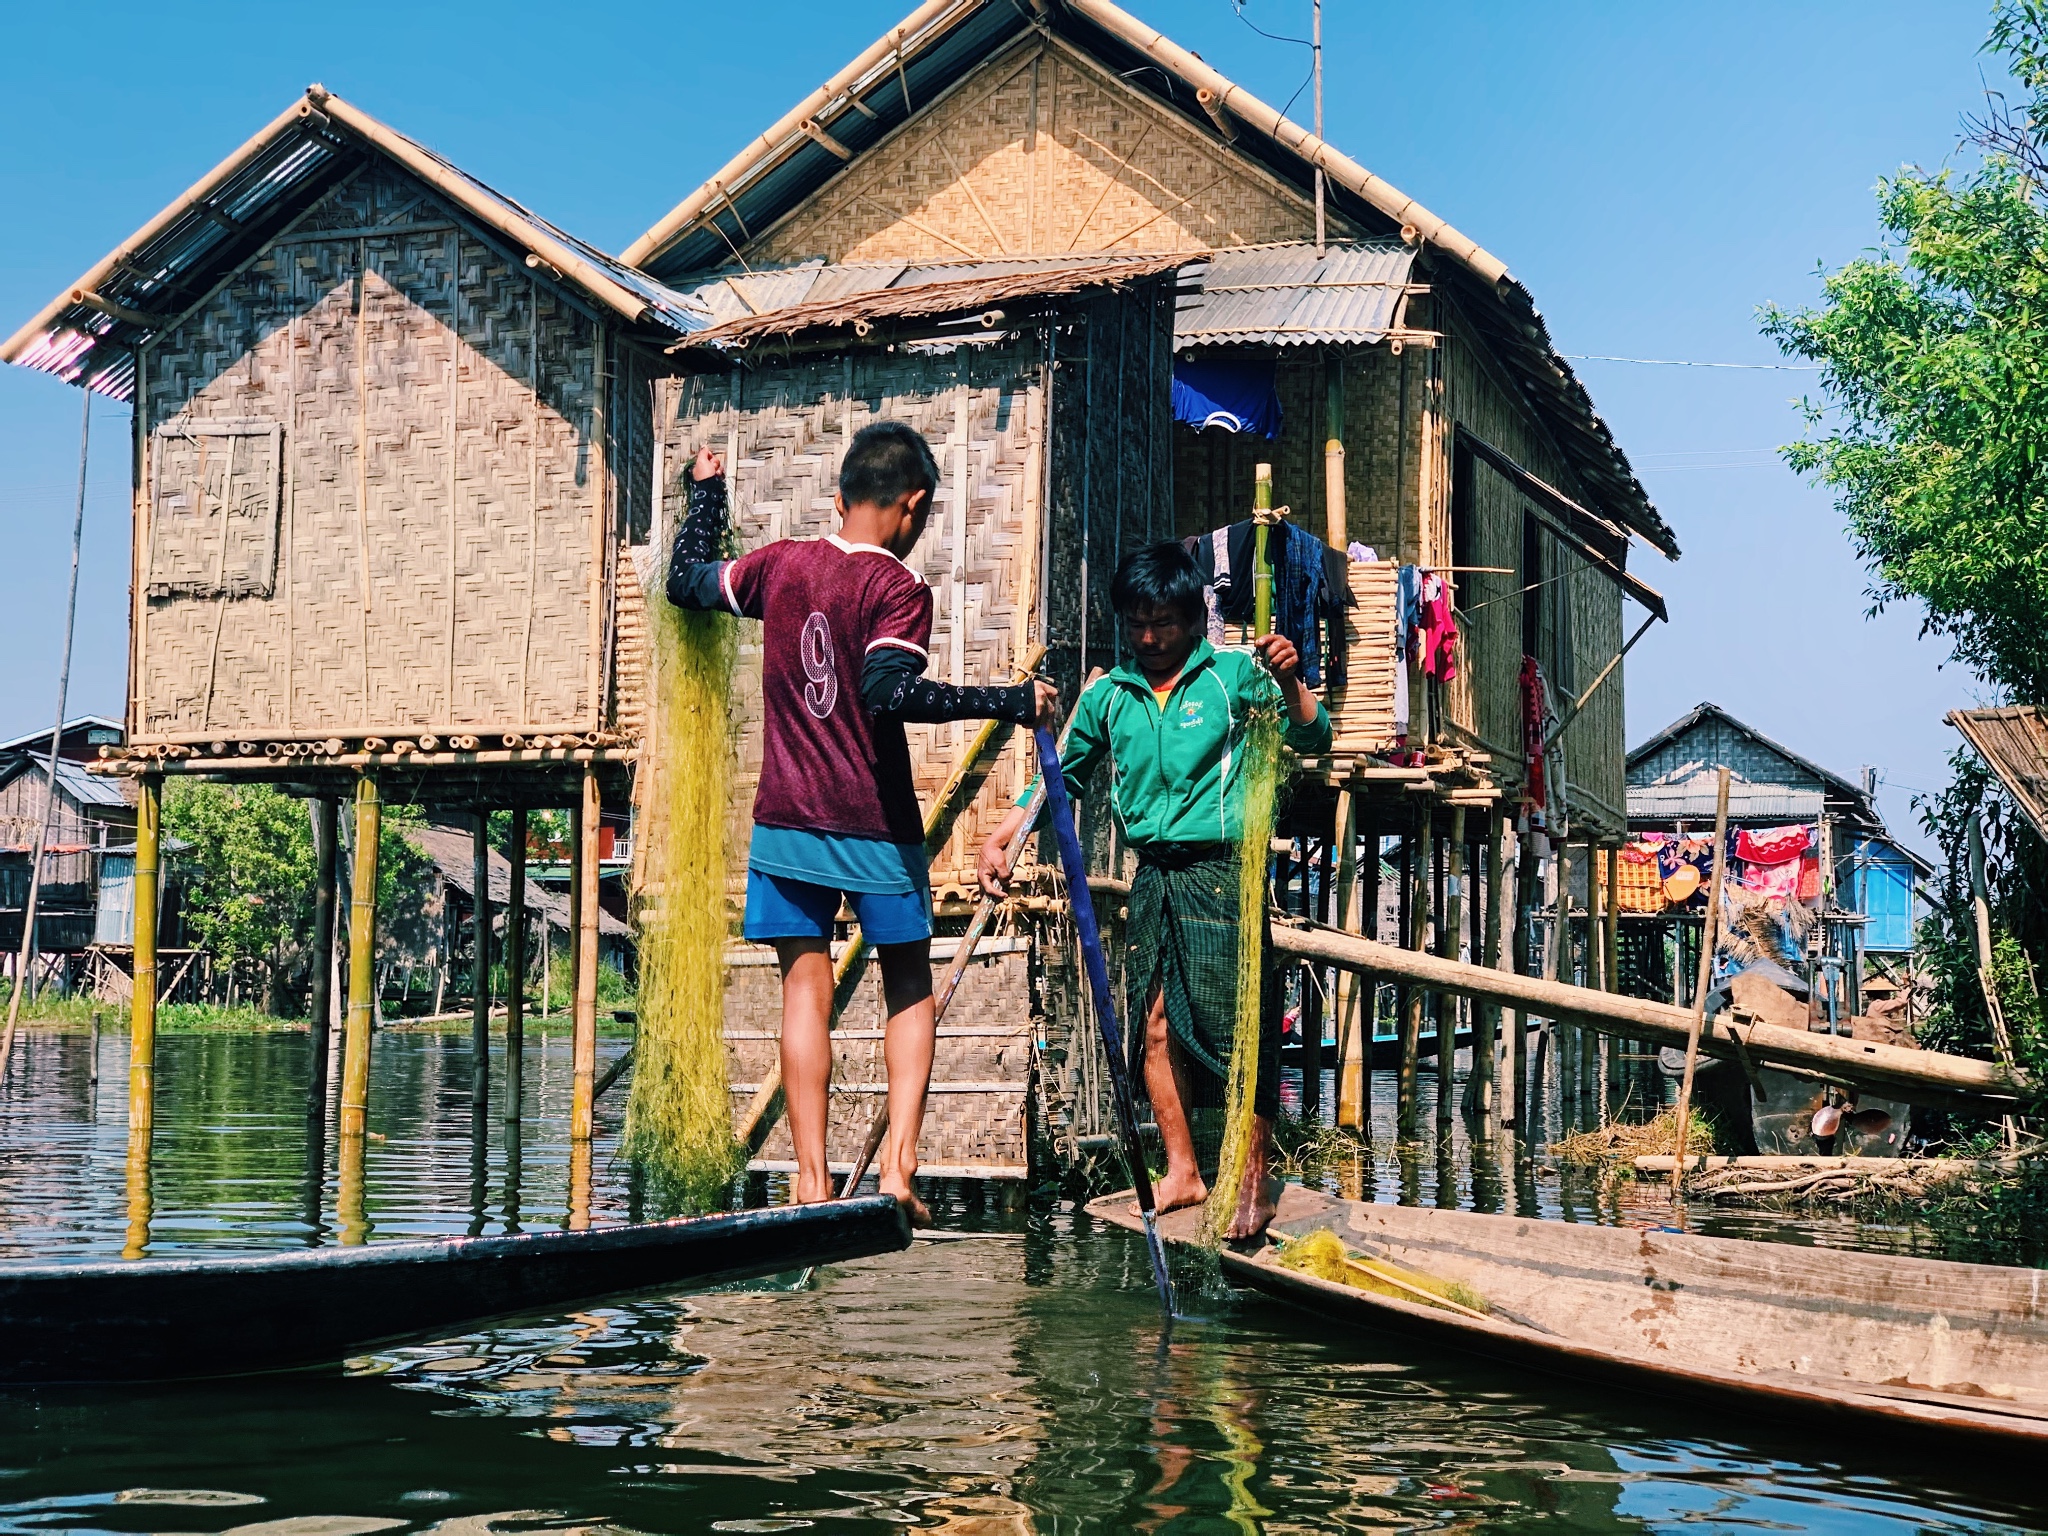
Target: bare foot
1257 1204
915 1209
1177 1191
810 1188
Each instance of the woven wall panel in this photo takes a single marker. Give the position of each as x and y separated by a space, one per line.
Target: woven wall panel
213 530
435 541
1105 170
989 1042
784 440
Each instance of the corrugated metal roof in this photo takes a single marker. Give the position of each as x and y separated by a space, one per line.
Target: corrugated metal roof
854 295
1694 801
89 334
1287 295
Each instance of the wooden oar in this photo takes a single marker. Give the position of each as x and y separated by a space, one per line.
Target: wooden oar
1082 905
950 982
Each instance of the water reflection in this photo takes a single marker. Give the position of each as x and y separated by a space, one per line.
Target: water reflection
1012 1381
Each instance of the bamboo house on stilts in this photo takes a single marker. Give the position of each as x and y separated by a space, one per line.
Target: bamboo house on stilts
1107 283
391 432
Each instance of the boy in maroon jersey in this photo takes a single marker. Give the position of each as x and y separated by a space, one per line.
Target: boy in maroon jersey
845 623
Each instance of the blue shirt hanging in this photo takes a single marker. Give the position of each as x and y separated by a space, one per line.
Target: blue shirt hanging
1238 396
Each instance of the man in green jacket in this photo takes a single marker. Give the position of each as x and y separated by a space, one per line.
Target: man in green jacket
1172 724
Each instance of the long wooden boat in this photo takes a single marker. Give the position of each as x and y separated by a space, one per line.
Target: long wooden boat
1828 1337
172 1318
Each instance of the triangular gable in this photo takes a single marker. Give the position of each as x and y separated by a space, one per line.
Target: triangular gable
89 332
1709 735
787 195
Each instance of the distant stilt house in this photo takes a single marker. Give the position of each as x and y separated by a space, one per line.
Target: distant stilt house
1799 833
92 818
1106 282
392 431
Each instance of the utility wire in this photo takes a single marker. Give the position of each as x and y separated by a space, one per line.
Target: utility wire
1681 362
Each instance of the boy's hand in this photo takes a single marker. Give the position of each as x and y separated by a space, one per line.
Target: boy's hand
993 867
1048 717
1280 657
707 464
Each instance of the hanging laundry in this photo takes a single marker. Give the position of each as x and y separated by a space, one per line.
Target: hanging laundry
1772 845
1237 396
1310 590
1439 639
1640 886
1362 554
1535 714
1687 864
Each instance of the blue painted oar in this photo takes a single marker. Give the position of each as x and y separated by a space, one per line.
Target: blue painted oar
1059 811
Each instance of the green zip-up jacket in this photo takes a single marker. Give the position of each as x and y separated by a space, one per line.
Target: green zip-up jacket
1176 773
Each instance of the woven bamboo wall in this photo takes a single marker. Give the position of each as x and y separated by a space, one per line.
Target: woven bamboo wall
976 1119
371 472
1486 699
1041 151
783 431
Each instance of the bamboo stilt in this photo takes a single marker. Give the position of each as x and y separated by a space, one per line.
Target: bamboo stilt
1448 934
1708 936
1486 1064
515 969
362 957
1346 995
326 833
142 1016
480 970
1416 875
583 879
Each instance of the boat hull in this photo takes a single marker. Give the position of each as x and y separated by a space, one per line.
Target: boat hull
175 1318
1821 1336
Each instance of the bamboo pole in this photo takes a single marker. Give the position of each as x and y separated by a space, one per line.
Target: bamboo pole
480 969
1592 1080
1514 1099
1344 995
1705 981
326 832
583 1055
1337 521
1930 1078
515 969
142 1016
1486 1064
1416 874
1448 935
362 961
1262 566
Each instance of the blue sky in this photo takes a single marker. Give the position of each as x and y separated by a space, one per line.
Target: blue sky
1653 173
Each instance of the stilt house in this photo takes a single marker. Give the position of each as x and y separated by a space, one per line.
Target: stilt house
1015 225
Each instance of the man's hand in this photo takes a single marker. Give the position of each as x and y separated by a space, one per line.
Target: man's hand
1048 717
707 464
993 867
1280 657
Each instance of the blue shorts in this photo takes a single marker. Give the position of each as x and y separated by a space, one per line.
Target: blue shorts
781 908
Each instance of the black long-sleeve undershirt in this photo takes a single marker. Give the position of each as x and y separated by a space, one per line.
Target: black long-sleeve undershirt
891 682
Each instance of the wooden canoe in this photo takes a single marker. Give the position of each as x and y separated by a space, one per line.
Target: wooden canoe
174 1318
1822 1336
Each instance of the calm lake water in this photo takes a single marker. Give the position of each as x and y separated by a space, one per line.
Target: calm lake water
1010 1379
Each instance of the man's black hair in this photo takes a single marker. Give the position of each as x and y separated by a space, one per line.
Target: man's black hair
886 462
1158 576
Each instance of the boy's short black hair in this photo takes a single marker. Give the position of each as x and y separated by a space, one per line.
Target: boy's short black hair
1158 576
886 462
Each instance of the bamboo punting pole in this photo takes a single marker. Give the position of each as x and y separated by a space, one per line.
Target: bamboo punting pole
583 879
515 968
326 833
1705 981
362 962
1262 565
480 969
1448 933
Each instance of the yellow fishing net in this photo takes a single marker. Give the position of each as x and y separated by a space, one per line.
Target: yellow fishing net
1261 780
679 1121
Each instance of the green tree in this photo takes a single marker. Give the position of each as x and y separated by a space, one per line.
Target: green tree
1933 435
246 872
